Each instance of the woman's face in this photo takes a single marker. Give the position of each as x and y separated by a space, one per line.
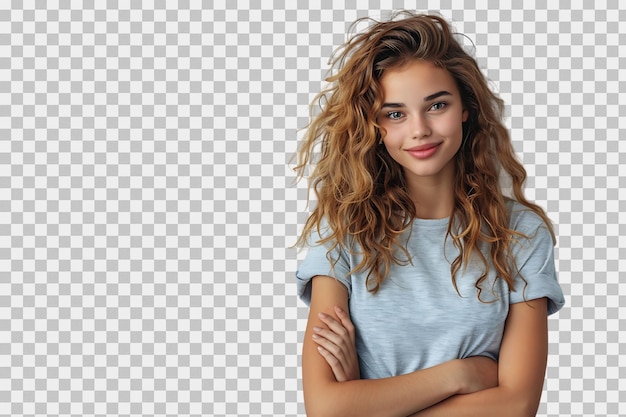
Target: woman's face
422 116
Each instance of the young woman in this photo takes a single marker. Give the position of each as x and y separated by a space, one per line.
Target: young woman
429 289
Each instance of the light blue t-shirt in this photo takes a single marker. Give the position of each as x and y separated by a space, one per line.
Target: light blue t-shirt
417 319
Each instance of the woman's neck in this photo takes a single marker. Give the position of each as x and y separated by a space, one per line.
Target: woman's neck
432 199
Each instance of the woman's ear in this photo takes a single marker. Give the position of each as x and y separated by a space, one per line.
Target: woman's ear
465 115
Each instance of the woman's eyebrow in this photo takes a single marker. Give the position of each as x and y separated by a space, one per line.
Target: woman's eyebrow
393 105
437 95
427 98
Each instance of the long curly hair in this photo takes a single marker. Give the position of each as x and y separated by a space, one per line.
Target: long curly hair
361 191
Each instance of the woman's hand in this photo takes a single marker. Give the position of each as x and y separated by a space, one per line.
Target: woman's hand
337 345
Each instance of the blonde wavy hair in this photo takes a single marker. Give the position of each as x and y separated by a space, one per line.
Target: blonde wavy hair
361 191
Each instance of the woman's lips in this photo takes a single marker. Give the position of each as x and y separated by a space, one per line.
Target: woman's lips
424 151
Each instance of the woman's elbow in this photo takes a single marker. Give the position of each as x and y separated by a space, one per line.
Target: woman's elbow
321 408
317 411
529 408
325 402
522 405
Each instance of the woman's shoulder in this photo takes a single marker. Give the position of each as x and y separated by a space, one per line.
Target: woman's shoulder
522 218
323 234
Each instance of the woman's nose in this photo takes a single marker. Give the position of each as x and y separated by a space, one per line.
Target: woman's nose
419 127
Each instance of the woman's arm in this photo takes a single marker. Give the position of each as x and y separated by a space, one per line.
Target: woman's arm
521 370
395 396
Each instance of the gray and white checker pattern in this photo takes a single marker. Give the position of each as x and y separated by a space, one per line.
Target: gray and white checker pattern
148 206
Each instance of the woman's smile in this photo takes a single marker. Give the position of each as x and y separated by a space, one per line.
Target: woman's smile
424 151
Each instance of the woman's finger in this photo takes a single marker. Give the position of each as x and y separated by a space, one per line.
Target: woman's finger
329 346
329 335
334 364
345 320
333 324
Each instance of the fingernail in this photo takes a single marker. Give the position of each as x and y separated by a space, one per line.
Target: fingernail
316 329
322 315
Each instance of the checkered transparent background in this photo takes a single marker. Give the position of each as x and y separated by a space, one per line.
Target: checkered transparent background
148 206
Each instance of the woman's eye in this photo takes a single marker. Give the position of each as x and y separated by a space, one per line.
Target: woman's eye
394 115
438 106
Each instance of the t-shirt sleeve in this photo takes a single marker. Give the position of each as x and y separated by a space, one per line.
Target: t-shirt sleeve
535 260
318 261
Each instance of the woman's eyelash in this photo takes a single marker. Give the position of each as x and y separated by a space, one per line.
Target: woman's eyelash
440 105
394 115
